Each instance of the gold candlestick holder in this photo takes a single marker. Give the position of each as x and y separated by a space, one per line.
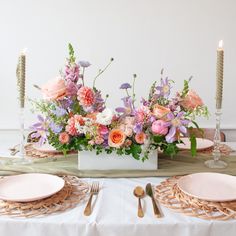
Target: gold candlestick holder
216 163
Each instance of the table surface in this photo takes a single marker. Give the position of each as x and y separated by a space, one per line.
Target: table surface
114 213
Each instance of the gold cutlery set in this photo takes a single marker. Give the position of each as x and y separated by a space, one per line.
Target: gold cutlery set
140 193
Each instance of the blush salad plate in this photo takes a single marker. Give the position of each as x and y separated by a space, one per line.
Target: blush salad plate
213 187
201 144
29 187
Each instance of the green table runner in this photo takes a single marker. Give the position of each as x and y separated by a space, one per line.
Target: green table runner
179 165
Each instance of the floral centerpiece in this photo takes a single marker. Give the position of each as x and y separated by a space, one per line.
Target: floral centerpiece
74 116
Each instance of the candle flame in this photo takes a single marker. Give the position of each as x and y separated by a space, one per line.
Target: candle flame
220 44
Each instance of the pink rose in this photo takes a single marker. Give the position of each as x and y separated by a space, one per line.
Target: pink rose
191 101
159 127
160 111
54 89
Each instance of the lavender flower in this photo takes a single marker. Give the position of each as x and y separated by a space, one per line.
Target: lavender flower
125 86
84 64
164 89
41 129
176 123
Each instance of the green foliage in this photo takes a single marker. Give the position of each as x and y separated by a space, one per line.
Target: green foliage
71 53
135 150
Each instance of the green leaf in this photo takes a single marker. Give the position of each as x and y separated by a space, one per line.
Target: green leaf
193 144
158 138
135 150
171 149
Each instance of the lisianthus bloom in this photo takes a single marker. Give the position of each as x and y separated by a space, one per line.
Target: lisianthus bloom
116 138
72 123
140 137
104 117
160 127
86 96
177 124
54 89
128 130
191 101
160 111
64 137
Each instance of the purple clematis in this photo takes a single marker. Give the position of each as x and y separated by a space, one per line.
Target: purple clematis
128 108
164 89
41 129
176 123
55 128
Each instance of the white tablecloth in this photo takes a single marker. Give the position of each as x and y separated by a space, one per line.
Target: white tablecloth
115 213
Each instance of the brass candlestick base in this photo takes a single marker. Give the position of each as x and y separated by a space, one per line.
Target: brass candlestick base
216 163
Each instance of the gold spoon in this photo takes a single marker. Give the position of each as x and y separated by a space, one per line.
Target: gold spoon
139 193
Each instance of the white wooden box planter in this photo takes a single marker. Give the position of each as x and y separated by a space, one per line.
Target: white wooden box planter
88 160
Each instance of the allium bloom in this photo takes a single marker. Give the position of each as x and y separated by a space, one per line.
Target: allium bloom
176 123
160 127
164 89
105 117
160 111
116 138
86 96
54 89
72 123
72 72
125 86
64 138
140 137
191 101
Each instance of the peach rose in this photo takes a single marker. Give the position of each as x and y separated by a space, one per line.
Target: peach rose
159 127
116 138
54 89
64 138
140 137
160 111
191 101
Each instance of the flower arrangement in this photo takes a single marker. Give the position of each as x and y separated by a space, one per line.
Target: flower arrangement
74 116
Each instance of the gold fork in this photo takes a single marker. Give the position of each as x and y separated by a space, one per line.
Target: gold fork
93 191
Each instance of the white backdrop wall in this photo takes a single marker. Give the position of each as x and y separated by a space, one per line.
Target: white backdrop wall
142 35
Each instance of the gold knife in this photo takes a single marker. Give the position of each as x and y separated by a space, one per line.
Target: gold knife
149 192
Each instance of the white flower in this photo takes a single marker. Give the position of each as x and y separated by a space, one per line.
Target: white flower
105 117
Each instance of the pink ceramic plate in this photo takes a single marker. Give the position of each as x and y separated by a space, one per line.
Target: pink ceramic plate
29 187
47 148
209 186
201 144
